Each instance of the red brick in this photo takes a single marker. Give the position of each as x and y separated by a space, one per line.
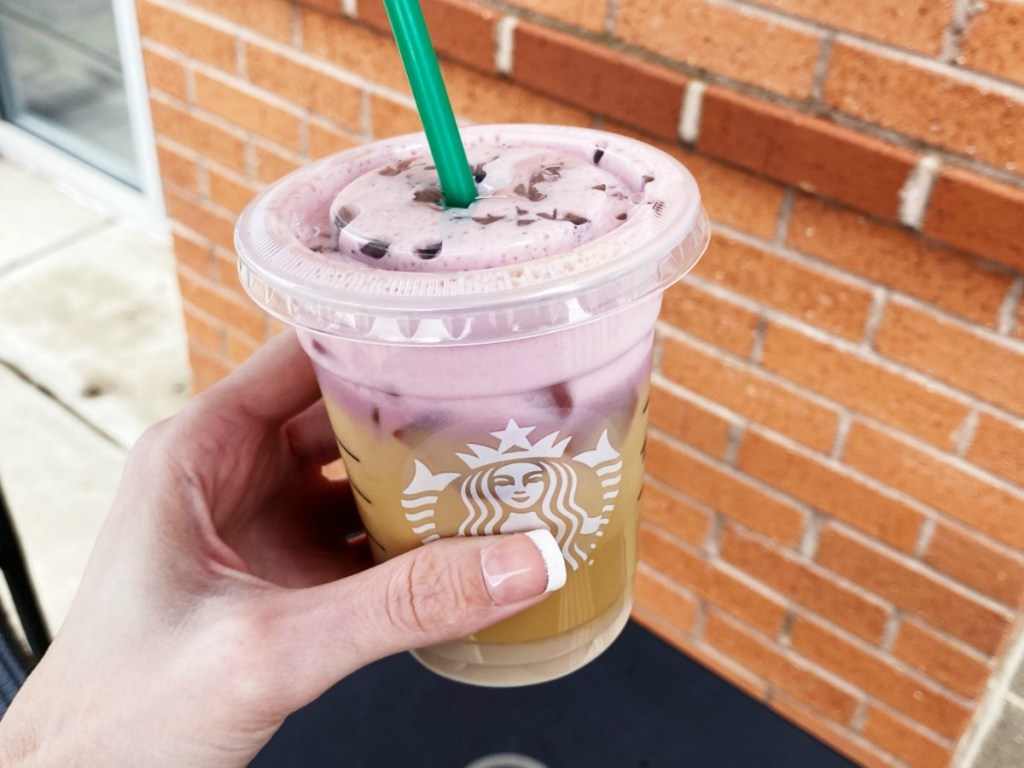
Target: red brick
689 422
815 155
755 607
204 330
164 74
954 353
459 30
249 109
663 507
898 259
994 41
733 197
905 741
177 167
805 584
228 190
992 570
880 678
272 164
852 379
332 7
721 665
325 139
914 589
978 215
992 509
744 46
211 224
353 48
837 737
589 14
998 445
598 79
809 294
207 368
692 309
390 118
656 593
272 18
222 145
187 34
918 25
832 490
194 253
218 303
784 673
730 196
935 106
306 86
725 492
929 653
485 99
744 390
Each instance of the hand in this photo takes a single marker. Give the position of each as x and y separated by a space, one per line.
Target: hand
221 594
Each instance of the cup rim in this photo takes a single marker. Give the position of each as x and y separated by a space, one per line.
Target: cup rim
662 240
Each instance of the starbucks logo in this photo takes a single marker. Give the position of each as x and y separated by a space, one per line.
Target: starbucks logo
521 485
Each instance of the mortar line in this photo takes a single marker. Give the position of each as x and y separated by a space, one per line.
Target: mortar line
924 539
1010 307
610 16
808 546
757 347
785 215
965 436
842 434
952 39
821 67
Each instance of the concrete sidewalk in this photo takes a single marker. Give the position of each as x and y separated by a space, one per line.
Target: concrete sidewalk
92 350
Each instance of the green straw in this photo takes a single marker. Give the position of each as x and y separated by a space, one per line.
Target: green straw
432 102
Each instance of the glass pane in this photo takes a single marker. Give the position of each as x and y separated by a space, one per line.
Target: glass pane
61 79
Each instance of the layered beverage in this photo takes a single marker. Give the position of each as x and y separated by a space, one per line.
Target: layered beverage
486 370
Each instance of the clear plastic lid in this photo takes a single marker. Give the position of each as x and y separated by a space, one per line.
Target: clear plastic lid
661 241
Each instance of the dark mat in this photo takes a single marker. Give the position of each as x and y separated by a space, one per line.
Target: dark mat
640 705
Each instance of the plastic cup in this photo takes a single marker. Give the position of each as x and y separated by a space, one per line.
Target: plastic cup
494 400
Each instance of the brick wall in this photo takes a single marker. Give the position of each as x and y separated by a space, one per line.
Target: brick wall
835 515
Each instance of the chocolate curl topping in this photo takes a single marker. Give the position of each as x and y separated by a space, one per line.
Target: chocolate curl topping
427 195
343 217
394 170
428 252
375 249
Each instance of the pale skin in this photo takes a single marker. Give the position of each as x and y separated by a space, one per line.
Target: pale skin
221 594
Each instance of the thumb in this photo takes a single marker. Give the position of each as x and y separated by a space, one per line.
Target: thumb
442 591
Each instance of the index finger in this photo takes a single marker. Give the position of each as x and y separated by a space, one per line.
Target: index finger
272 386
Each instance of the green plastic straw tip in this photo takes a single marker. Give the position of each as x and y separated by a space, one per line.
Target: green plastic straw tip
432 101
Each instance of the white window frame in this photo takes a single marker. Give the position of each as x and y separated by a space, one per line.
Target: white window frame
145 207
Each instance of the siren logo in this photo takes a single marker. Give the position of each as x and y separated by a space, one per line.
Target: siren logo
522 485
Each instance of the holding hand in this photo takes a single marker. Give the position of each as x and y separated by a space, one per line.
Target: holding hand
222 593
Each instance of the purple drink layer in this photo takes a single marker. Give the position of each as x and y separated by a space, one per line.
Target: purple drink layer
533 202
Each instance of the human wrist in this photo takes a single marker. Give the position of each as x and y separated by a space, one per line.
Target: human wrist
19 744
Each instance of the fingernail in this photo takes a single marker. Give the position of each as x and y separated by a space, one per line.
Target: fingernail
514 572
